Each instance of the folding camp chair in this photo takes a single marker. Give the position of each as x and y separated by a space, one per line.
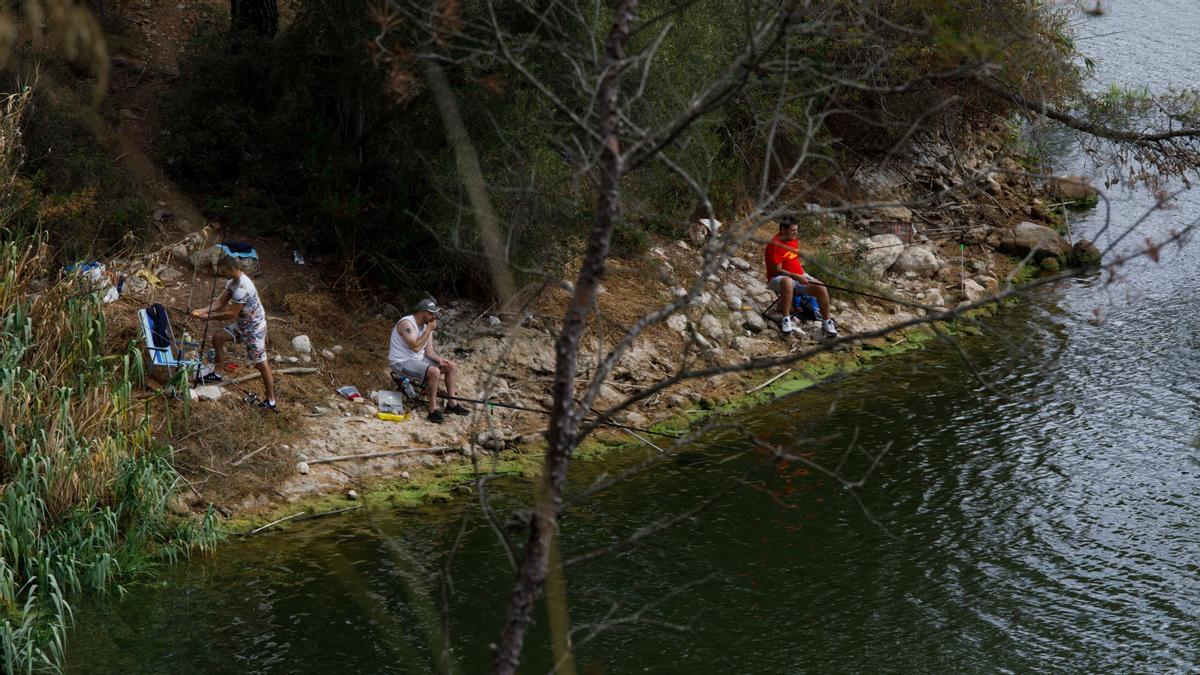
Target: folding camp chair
161 348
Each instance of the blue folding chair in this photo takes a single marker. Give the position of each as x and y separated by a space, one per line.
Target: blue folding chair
163 355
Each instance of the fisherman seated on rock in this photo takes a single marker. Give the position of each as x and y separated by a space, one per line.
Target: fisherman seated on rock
785 276
240 301
411 354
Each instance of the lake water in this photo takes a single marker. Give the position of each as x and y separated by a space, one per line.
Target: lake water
1038 510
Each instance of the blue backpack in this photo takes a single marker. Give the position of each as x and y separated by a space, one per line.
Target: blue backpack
806 307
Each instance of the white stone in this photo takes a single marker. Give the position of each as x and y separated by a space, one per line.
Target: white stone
325 353
306 358
302 467
882 250
293 359
920 261
301 344
753 321
733 296
677 322
740 263
352 494
973 291
711 327
337 349
934 298
208 392
405 474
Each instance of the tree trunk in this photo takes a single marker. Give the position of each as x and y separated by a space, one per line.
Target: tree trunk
261 16
565 416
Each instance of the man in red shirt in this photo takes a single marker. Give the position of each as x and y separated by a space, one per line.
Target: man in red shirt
785 276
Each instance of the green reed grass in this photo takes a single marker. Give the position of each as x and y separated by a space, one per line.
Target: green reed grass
84 487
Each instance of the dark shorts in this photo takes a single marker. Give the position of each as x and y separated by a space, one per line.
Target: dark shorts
413 369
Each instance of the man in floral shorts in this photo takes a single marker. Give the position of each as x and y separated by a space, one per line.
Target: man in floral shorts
240 301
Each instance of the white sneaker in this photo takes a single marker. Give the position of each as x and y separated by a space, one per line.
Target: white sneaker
785 324
829 328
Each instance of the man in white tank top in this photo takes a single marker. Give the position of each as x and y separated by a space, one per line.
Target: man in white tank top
411 354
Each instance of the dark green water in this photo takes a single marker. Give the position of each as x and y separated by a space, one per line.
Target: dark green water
1050 526
1044 517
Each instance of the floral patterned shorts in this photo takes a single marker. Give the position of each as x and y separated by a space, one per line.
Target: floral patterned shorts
254 339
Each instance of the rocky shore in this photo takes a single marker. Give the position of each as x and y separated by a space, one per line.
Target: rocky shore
925 246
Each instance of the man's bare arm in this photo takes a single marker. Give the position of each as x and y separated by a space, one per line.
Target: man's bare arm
408 331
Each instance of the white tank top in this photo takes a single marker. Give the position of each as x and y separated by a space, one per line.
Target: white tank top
398 350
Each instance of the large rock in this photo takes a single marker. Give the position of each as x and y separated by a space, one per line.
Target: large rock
677 322
973 291
934 298
208 392
206 260
733 296
881 253
1072 188
895 213
753 322
921 262
1085 254
1025 237
711 327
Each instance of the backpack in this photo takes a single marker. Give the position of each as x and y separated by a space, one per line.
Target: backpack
806 307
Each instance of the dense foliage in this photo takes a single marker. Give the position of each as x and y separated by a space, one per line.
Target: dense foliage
328 134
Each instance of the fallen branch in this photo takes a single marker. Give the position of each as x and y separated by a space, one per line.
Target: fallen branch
764 384
330 513
255 375
248 456
385 453
274 522
212 470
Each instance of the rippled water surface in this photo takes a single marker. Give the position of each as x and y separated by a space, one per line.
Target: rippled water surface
1038 510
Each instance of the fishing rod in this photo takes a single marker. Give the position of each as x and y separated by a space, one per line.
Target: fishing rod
543 411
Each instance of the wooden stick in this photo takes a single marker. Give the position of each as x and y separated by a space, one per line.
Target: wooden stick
330 513
751 391
385 453
274 522
255 375
248 456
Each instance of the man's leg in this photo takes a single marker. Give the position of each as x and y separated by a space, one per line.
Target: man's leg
451 377
786 286
219 340
817 289
268 379
433 377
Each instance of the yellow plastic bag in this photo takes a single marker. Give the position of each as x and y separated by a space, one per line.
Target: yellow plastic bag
150 278
392 417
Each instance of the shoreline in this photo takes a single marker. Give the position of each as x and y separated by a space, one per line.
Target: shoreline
434 485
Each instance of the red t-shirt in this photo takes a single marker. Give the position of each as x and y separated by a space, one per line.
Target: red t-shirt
786 255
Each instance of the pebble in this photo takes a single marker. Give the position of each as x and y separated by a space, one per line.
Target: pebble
405 474
293 359
352 494
337 349
301 344
302 467
325 353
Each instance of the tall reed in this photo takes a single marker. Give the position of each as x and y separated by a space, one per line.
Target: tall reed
83 486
